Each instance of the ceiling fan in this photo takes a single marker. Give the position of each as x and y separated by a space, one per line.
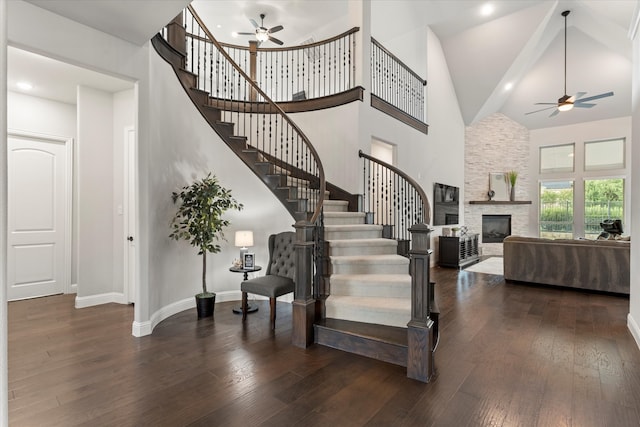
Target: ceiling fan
566 102
263 33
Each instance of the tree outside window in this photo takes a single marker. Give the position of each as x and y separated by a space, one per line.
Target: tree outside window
603 199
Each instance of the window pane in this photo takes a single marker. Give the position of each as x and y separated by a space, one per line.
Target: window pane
558 158
599 155
603 199
556 209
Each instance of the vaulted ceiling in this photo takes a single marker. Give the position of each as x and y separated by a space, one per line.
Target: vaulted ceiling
520 44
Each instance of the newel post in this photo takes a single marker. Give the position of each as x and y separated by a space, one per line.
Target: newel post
303 303
421 328
177 34
253 54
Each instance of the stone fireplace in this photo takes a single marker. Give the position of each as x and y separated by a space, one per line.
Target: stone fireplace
496 144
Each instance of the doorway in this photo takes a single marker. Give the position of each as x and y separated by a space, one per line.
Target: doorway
39 215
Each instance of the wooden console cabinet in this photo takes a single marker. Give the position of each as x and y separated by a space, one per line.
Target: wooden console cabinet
458 252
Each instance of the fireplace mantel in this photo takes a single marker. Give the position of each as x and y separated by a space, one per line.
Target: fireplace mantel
500 202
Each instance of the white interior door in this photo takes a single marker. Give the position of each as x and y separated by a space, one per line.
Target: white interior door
130 214
38 255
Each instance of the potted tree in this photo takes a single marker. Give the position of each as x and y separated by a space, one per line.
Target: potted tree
199 220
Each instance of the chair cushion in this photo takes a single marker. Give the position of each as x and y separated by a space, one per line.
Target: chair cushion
282 254
268 286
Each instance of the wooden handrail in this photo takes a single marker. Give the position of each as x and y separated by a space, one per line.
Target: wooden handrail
274 107
399 61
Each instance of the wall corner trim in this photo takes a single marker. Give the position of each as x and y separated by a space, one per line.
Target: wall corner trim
634 329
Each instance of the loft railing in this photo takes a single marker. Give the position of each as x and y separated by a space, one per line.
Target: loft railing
393 82
255 115
392 199
308 71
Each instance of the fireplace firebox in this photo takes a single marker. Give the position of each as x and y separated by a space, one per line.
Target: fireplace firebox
495 228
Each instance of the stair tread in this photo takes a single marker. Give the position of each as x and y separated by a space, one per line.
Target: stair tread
352 227
344 214
402 279
378 241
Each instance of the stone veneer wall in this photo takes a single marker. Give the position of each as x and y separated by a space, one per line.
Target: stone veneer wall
495 144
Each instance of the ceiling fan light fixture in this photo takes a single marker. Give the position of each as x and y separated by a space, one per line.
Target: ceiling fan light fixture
262 35
565 106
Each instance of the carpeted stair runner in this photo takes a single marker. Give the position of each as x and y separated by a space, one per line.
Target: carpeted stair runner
369 282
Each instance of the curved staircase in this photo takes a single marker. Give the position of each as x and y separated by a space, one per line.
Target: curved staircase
376 306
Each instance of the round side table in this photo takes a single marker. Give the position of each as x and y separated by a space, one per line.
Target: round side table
246 271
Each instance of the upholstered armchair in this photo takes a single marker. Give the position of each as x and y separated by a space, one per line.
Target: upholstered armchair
279 276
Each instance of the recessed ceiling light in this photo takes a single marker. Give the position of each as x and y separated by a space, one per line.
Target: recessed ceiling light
219 26
508 86
487 9
24 85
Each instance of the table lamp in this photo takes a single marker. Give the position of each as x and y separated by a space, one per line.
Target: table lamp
244 239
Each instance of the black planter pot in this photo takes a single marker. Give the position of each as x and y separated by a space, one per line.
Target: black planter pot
205 305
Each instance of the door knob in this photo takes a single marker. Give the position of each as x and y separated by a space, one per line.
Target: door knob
130 238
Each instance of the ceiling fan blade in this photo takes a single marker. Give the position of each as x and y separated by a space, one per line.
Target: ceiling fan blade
537 111
578 95
555 113
276 41
593 98
254 23
583 105
546 103
246 34
276 29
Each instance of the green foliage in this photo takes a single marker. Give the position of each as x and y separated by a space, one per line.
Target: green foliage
512 176
199 216
604 190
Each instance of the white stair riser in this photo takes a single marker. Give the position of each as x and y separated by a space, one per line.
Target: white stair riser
362 289
369 268
357 314
352 234
364 250
335 206
344 219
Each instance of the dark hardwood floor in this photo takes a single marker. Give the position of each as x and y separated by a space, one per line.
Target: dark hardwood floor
510 355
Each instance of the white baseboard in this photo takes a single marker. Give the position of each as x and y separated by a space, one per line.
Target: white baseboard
140 329
633 328
90 301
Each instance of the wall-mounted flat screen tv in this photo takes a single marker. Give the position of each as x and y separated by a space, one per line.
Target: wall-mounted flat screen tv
446 204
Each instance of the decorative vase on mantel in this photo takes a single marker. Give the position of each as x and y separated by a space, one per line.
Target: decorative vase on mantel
512 176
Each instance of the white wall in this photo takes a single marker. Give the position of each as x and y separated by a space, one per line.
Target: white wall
186 148
77 44
95 192
4 372
633 320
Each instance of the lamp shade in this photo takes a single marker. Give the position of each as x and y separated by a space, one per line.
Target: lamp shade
244 238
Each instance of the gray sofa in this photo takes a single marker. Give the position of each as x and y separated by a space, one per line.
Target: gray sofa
600 265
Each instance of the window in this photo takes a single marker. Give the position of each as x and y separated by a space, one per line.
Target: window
601 155
557 158
603 199
556 209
